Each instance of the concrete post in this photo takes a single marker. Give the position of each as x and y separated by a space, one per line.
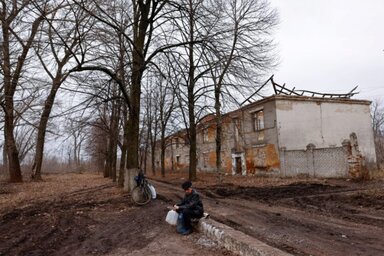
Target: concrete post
311 159
282 162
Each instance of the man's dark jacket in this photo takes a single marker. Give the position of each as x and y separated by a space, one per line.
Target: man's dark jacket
192 202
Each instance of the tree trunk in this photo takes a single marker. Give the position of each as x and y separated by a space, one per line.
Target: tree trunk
133 123
218 86
78 155
162 156
141 22
153 148
218 134
11 78
145 157
75 150
5 157
115 135
123 150
147 143
110 170
193 148
12 152
108 157
129 182
120 181
153 159
191 99
133 128
9 91
38 161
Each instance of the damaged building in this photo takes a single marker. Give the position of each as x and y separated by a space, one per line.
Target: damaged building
287 134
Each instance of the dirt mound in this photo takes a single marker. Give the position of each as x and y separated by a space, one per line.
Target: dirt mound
271 193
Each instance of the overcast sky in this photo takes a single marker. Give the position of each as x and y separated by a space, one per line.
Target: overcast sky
331 45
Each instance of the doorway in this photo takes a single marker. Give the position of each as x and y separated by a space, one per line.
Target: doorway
238 166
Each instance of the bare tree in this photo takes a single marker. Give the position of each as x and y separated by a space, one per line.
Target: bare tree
104 113
26 101
240 51
151 119
77 135
24 136
124 145
194 28
19 24
378 130
64 36
113 136
166 102
139 23
96 144
159 104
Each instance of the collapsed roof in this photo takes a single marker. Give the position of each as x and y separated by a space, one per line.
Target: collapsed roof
283 90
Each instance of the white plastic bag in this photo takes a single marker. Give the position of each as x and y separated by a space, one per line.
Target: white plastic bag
153 191
172 217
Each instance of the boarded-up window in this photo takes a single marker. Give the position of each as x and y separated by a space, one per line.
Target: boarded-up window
258 120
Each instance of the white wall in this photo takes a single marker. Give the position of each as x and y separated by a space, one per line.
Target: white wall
325 123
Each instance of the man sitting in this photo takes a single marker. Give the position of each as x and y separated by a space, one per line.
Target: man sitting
190 207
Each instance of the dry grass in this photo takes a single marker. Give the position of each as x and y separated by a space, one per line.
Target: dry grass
54 185
377 174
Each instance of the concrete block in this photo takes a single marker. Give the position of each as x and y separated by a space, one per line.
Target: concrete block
236 241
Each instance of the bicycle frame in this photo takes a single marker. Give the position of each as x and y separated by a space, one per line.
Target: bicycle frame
141 194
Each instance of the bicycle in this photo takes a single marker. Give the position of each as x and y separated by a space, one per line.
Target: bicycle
141 194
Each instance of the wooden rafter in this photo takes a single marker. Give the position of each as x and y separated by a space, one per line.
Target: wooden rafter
283 90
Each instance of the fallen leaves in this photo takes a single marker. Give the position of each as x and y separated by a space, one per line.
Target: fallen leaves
13 195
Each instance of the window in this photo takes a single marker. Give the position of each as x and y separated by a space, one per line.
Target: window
258 120
178 160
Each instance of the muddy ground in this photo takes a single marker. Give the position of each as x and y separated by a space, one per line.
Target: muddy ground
84 214
94 218
299 216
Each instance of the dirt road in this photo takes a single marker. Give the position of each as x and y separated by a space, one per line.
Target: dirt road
88 215
322 218
97 220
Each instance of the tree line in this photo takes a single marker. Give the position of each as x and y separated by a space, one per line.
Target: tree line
377 112
140 69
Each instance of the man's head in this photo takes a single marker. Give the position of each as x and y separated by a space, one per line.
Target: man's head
187 186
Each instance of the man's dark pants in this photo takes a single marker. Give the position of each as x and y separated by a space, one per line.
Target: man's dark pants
189 214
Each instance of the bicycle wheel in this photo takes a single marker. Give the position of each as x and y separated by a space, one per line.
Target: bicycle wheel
141 195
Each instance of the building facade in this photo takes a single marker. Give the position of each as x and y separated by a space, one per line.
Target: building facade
284 136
